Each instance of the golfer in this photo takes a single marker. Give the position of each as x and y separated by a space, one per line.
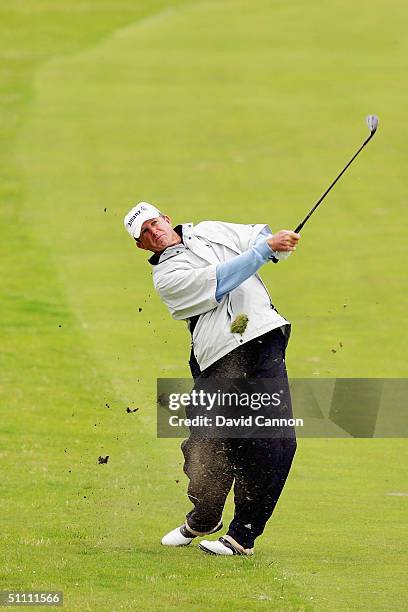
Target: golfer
207 275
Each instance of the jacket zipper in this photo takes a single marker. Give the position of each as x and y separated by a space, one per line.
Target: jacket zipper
267 292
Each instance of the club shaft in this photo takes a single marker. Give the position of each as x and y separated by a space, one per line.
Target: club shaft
301 224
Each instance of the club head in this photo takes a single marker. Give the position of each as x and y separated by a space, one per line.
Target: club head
372 122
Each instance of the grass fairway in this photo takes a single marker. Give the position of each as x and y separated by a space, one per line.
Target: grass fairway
232 110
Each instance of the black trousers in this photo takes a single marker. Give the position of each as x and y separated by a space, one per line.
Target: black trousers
258 468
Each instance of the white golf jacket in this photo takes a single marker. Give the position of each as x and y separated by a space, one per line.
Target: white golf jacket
185 278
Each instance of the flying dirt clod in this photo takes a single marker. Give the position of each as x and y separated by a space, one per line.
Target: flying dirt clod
239 324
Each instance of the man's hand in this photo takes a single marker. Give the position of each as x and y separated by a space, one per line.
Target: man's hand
285 240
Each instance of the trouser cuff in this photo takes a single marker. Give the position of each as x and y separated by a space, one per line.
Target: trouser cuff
245 542
206 532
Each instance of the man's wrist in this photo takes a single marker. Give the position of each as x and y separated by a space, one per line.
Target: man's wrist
272 253
264 249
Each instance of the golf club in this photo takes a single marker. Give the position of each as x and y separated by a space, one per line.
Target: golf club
372 122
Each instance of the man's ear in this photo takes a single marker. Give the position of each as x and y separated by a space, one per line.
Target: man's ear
166 218
140 245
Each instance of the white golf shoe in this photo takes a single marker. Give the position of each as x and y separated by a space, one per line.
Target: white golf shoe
182 536
178 537
224 546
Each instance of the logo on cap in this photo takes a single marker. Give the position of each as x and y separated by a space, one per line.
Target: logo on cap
135 215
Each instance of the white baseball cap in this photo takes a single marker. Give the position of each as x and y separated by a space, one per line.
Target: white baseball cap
135 218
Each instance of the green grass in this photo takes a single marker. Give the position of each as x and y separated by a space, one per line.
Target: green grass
241 111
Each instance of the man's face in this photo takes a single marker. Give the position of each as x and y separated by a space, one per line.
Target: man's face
157 234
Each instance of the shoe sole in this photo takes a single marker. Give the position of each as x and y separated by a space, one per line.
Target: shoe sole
176 545
211 552
237 553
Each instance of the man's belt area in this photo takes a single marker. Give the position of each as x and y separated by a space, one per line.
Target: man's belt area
192 325
194 367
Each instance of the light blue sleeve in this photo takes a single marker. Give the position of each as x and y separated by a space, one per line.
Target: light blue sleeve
231 274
